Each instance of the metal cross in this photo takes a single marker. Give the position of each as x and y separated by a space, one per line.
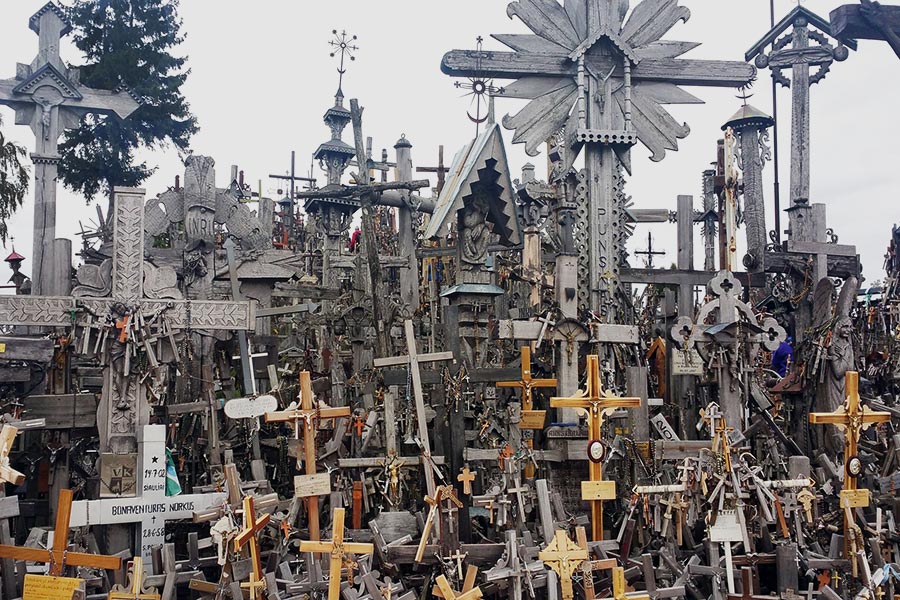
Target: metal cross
649 252
479 86
343 45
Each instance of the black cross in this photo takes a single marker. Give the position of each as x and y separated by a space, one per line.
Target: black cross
649 252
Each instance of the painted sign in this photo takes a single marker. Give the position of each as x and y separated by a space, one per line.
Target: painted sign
45 587
312 485
250 408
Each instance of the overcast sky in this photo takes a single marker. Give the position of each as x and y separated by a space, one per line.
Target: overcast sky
262 78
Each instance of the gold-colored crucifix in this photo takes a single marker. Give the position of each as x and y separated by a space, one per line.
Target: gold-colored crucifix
338 549
565 557
307 418
598 405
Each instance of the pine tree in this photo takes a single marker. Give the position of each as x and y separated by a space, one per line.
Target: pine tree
13 181
127 42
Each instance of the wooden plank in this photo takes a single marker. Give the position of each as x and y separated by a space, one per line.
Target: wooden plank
15 374
357 463
513 65
786 262
847 22
821 248
476 554
63 412
20 348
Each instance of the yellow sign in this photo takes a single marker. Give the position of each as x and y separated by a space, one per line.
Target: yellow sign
312 485
43 587
598 490
533 419
854 498
2 348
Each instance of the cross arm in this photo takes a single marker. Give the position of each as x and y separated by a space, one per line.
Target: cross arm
870 417
121 103
6 93
620 403
316 547
334 413
514 65
391 361
283 416
435 356
828 419
569 403
81 559
358 548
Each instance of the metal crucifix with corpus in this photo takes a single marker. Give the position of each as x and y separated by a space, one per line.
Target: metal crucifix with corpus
48 97
601 80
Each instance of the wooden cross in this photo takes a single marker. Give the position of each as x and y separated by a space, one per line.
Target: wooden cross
7 473
466 477
48 96
57 556
137 592
440 169
565 557
852 418
412 360
620 590
467 586
254 585
747 588
248 534
309 415
527 384
338 549
598 406
448 593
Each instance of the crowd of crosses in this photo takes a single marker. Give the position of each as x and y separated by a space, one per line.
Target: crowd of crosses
473 394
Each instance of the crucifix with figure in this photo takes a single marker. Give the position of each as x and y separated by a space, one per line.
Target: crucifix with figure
598 405
48 97
307 418
338 550
603 80
852 419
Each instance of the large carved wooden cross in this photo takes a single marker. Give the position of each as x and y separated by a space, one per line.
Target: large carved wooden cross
601 79
565 557
123 405
307 418
48 97
598 405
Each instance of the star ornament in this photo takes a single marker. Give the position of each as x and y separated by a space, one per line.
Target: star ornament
597 72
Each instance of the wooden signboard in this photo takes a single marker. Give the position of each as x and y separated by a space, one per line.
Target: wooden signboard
118 475
598 490
533 419
312 485
45 587
250 408
855 498
687 362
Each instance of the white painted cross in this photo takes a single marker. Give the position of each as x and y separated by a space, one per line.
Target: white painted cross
152 509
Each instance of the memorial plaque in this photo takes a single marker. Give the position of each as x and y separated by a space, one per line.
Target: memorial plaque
45 587
687 363
312 485
251 408
598 490
533 419
855 498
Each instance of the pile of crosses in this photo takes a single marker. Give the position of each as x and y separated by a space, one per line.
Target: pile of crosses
475 394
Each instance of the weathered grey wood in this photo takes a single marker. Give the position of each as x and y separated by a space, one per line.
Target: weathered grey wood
63 412
476 554
838 266
406 234
9 507
61 267
48 97
847 22
637 387
510 65
810 247
361 463
16 348
15 374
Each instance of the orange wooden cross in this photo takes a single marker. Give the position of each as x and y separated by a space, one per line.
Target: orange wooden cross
122 326
57 555
248 534
338 549
852 418
531 419
308 415
598 406
466 477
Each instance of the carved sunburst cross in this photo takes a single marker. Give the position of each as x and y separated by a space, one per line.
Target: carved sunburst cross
597 75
